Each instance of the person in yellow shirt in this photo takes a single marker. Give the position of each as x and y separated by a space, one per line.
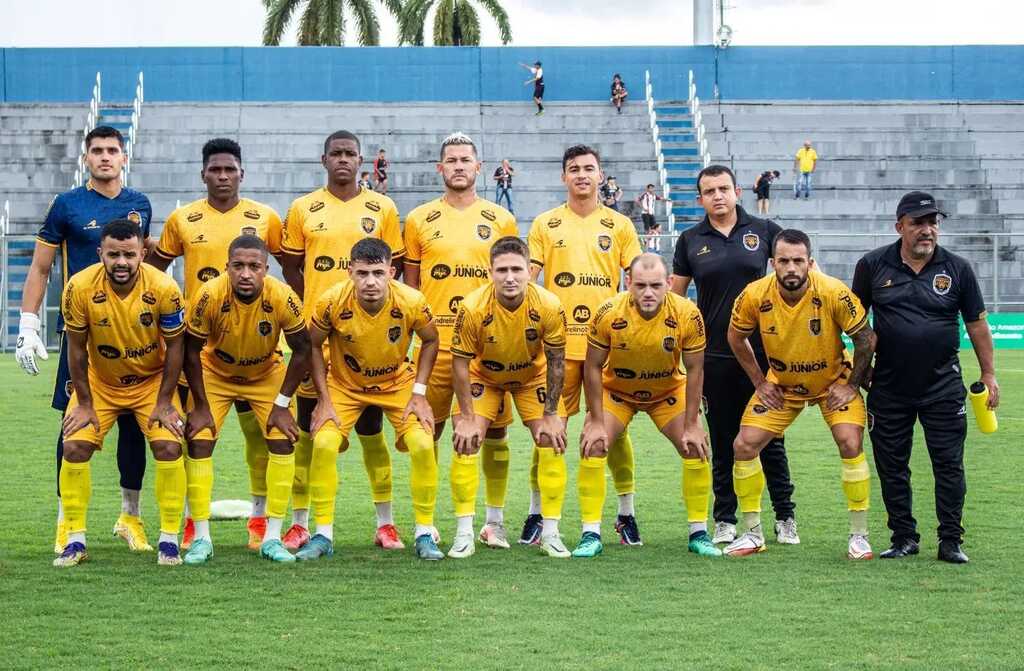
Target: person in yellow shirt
509 336
447 256
201 232
368 322
319 232
124 323
235 323
804 165
636 342
582 248
801 315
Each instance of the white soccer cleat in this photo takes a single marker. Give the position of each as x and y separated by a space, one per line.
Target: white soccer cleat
462 547
724 533
494 536
747 544
552 546
785 532
859 547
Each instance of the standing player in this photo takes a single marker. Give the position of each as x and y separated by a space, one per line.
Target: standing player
368 322
509 336
722 255
447 256
124 327
582 247
319 232
800 314
201 232
73 225
234 325
635 345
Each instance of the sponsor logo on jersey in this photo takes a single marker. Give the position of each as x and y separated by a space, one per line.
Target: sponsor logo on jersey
91 226
103 322
224 356
495 366
655 374
193 217
373 206
130 379
519 365
807 366
777 365
248 230
642 395
850 307
255 360
207 274
488 318
604 242
887 283
369 224
560 244
668 343
766 306
619 324
770 330
226 305
760 409
704 250
483 231
533 314
476 389
816 302
532 334
320 227
149 298
108 352
396 313
146 318
267 307
473 272
252 214
434 216
800 390
453 304
554 222
264 327
381 370
671 323
316 206
239 379
624 373
345 314
394 333
139 352
815 326
351 362
565 280
751 241
581 313
608 222
199 239
323 263
99 297
488 215
941 283
440 271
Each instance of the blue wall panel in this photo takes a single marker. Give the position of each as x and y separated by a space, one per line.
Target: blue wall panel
988 73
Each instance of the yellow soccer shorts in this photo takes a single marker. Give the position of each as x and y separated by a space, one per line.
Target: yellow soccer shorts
441 391
661 412
109 402
350 403
573 386
490 401
222 392
761 416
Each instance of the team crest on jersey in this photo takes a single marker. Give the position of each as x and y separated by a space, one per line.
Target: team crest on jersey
751 241
264 327
483 231
760 409
193 217
68 388
669 343
815 326
316 206
99 297
604 242
941 283
488 215
433 216
134 217
394 333
207 274
252 214
373 206
619 324
248 230
369 224
148 298
554 222
476 389
146 318
532 334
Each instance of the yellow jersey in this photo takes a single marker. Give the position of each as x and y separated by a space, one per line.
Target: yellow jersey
202 235
323 227
125 344
644 354
582 260
242 338
453 250
368 352
805 351
807 159
507 347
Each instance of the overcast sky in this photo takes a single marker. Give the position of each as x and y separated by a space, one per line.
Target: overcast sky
96 23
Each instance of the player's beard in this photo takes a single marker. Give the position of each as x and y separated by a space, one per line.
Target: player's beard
470 185
131 275
792 282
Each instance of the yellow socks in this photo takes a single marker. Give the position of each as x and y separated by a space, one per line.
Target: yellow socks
534 463
377 461
465 479
622 464
280 474
199 476
697 489
748 483
323 474
170 494
75 492
256 454
303 459
495 456
551 476
856 486
590 481
422 476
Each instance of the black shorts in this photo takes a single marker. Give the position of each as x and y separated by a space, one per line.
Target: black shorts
62 387
649 221
382 176
762 194
538 90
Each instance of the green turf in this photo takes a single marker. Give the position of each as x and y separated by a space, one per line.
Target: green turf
651 607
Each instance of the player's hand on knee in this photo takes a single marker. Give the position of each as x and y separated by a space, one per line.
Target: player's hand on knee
322 413
840 394
418 406
166 415
281 418
593 439
78 418
695 443
30 344
199 418
770 394
467 435
553 428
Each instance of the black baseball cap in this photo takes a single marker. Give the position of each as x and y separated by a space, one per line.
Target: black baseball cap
917 204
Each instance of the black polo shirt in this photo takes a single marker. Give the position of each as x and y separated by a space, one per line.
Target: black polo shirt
915 317
721 267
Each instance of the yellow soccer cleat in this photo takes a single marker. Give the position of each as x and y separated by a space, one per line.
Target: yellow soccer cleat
62 538
72 555
131 529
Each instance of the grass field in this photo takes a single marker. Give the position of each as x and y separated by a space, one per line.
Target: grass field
803 607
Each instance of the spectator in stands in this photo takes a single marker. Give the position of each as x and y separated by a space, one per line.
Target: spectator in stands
611 194
619 92
652 229
364 181
538 84
503 188
762 189
380 171
806 160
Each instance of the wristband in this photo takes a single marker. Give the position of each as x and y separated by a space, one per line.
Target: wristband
29 322
419 388
283 401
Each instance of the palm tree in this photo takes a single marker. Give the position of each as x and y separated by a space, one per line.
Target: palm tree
323 21
456 22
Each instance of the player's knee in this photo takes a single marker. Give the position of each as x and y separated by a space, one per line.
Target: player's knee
200 449
77 452
165 450
280 447
744 449
850 444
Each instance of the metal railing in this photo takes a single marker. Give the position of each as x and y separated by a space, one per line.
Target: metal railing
698 123
81 172
666 191
133 130
5 219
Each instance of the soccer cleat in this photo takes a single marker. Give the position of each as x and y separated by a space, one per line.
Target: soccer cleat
275 551
494 536
131 529
531 530
387 538
427 549
785 532
589 546
724 533
168 554
950 551
257 527
900 549
859 547
61 541
188 534
462 547
73 554
296 537
629 533
552 546
747 544
316 547
200 552
700 544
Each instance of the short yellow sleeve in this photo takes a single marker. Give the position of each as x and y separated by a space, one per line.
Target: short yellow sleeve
274 232
744 312
391 233
172 310
73 307
421 314
411 237
293 240
465 334
553 321
170 245
289 312
694 338
629 243
536 241
199 322
600 335
848 311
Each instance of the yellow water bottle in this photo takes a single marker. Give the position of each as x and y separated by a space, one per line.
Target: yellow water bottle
983 415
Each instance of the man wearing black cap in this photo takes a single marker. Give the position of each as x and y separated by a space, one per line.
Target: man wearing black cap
916 291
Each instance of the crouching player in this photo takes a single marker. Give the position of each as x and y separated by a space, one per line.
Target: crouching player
234 324
124 323
636 341
509 335
368 322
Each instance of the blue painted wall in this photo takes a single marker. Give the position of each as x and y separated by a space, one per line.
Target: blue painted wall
492 74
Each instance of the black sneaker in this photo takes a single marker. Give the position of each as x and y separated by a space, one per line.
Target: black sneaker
629 533
531 530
